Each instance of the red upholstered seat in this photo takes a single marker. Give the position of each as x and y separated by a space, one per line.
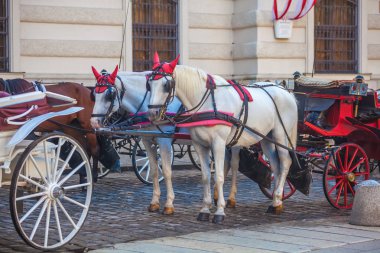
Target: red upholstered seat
13 110
4 94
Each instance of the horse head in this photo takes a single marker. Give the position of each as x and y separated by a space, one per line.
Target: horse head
106 95
161 84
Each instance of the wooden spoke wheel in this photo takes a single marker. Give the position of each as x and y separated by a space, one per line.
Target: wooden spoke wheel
102 171
48 201
347 166
194 158
141 165
289 189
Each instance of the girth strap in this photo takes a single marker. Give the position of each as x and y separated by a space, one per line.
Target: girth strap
210 115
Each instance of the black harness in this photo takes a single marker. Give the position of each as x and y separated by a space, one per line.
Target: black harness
112 93
169 87
214 115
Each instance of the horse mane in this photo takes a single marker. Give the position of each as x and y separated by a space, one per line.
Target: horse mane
192 80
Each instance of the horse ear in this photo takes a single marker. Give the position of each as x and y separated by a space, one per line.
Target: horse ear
156 60
96 73
173 64
114 73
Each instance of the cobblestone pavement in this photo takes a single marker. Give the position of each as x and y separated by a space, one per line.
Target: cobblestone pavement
119 211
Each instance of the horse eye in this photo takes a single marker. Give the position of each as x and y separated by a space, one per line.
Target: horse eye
166 86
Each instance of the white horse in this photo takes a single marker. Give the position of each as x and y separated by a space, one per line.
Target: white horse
109 97
189 85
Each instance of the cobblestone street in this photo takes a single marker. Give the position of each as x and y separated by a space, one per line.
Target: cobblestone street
119 211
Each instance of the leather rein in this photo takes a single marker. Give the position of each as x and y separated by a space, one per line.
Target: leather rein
183 117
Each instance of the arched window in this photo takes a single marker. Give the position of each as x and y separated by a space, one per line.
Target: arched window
4 40
155 28
336 36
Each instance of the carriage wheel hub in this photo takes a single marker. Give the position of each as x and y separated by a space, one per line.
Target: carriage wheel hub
351 177
56 192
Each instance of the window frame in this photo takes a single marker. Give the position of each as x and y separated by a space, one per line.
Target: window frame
331 64
139 64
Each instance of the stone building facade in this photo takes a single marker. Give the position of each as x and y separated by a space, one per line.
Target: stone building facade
56 40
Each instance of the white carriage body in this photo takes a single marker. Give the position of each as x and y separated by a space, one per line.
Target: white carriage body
13 143
9 157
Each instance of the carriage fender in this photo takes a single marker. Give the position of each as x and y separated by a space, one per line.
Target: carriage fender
29 126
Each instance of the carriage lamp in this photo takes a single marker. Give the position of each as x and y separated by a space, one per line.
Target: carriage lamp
358 89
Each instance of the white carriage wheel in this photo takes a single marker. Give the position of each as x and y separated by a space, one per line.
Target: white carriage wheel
48 203
141 165
102 171
194 158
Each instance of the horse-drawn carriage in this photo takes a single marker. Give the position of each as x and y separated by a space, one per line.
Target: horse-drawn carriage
48 204
343 147
347 139
339 135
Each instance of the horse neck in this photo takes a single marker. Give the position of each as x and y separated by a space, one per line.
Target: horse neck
190 85
135 89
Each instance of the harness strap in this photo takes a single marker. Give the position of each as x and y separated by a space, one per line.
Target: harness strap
210 83
244 109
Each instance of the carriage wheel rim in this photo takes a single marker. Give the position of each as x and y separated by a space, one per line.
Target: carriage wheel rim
57 194
348 166
143 171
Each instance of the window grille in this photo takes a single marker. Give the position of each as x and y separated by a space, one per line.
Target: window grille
4 36
336 36
155 28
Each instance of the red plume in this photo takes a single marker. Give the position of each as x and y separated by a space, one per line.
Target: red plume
96 73
114 73
173 64
156 60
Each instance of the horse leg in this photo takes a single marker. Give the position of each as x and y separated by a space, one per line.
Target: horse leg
269 149
227 166
151 150
234 164
218 147
165 150
203 154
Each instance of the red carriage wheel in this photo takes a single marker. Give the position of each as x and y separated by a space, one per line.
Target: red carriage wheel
346 168
289 189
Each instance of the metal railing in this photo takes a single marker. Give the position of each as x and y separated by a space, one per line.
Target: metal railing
155 28
336 36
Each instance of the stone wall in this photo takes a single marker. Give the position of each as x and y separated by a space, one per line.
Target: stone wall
210 36
373 42
58 40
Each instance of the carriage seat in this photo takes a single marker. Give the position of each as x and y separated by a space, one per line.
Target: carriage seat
316 83
16 109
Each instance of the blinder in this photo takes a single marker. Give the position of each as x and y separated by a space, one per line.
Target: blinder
110 94
169 87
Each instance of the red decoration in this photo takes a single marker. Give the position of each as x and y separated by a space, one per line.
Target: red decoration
165 67
302 8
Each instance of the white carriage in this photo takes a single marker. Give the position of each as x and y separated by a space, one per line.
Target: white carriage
48 204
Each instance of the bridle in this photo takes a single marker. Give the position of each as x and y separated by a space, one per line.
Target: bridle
112 93
169 87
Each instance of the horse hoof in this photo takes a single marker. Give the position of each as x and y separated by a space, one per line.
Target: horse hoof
275 210
203 217
231 203
154 208
168 210
218 219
